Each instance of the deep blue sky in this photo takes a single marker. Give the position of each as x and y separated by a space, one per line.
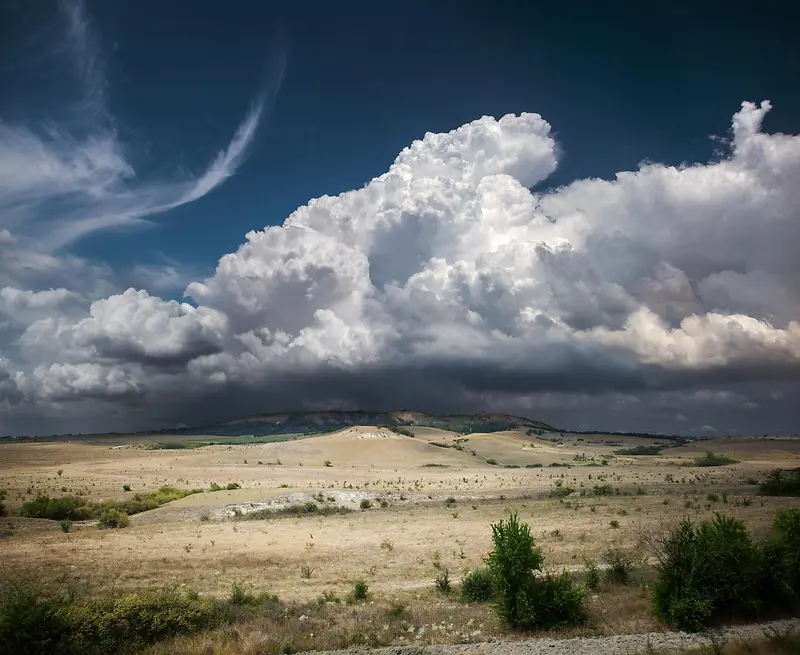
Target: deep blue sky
618 84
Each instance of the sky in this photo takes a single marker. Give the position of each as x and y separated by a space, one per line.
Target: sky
584 212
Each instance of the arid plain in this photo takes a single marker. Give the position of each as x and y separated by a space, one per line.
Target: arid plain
417 505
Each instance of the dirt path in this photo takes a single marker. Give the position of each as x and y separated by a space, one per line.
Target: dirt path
615 645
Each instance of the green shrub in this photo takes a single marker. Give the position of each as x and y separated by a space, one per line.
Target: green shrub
780 483
557 602
786 524
239 595
142 502
477 586
523 601
591 575
710 459
3 510
56 509
442 581
65 524
707 572
365 504
621 563
126 487
360 590
113 518
231 486
33 624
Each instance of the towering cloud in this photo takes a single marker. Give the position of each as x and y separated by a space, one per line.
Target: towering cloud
446 282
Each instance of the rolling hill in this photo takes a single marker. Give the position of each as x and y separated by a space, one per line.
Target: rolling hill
319 422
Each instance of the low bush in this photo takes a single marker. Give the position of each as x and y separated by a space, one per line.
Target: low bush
56 509
591 575
710 459
360 590
523 600
708 572
785 551
621 564
33 624
65 525
477 586
781 483
640 450
3 511
442 582
113 518
365 504
294 510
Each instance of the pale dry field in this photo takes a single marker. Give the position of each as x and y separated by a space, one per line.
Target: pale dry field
431 517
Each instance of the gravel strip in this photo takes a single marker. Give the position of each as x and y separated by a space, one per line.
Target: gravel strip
616 645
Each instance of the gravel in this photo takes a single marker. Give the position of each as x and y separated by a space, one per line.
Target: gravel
615 645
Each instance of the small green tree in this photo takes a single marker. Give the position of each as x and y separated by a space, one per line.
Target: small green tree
523 600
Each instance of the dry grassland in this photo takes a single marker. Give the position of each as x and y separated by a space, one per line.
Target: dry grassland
431 509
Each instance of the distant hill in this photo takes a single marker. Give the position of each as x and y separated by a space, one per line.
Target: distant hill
328 421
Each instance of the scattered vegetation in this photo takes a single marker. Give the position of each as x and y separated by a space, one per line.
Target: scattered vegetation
294 510
33 623
75 508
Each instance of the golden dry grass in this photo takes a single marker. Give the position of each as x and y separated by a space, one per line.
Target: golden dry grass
397 549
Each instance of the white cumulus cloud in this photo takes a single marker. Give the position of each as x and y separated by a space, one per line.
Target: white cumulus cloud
446 282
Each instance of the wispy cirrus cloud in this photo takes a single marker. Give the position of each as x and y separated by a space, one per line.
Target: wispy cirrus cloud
60 182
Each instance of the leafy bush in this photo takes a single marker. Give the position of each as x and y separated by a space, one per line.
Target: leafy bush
365 504
442 581
66 525
780 483
360 590
142 502
33 624
523 601
126 487
477 586
707 572
113 518
231 486
710 459
621 563
557 602
239 595
640 450
56 509
591 575
786 547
